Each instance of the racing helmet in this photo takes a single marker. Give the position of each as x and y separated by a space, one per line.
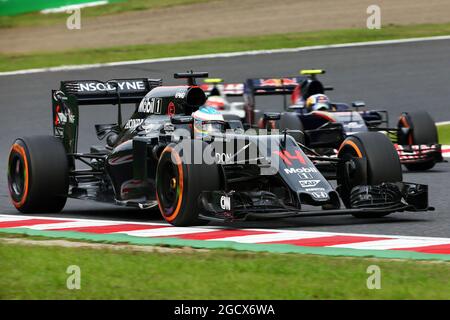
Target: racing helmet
207 121
318 102
217 102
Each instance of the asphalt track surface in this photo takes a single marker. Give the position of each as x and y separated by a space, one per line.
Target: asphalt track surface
397 77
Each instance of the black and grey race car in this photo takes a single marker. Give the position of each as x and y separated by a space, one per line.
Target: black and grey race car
154 159
414 137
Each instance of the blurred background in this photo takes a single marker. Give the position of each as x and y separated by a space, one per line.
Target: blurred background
36 33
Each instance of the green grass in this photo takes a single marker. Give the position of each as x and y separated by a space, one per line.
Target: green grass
10 62
444 134
40 273
39 19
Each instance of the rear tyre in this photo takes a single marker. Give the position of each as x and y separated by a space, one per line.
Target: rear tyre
179 184
383 165
38 174
416 128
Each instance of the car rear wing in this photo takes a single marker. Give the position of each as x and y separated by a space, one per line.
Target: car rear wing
272 86
303 86
268 86
73 93
228 89
92 92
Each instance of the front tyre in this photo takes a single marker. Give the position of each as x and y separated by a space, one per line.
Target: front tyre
38 174
180 182
382 165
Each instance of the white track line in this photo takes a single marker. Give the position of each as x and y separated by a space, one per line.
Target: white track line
222 55
74 7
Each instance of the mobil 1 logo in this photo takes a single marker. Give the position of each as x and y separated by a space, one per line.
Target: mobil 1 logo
151 105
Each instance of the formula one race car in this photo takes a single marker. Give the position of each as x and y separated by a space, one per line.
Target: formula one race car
326 124
218 94
183 159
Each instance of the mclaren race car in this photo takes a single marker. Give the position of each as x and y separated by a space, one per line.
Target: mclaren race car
194 165
326 124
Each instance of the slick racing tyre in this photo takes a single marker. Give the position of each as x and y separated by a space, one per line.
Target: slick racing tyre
179 183
38 174
415 128
382 165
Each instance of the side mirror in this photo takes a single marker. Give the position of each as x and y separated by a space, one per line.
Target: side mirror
182 120
270 116
358 104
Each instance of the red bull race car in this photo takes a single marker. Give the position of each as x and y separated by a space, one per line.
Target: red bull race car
325 124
